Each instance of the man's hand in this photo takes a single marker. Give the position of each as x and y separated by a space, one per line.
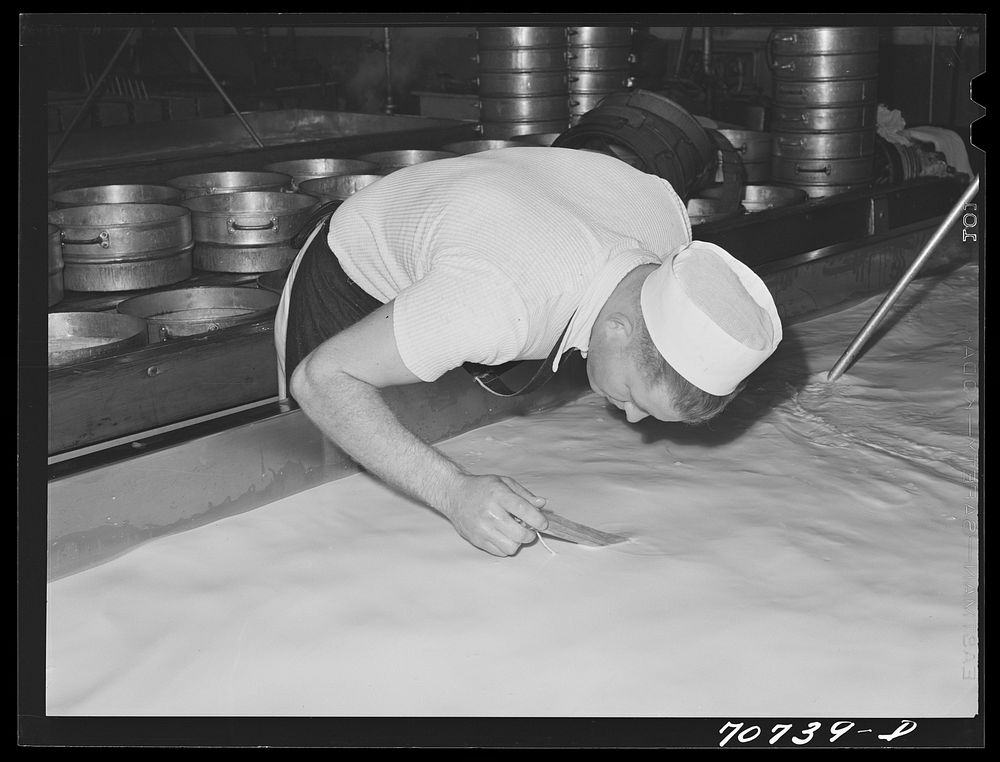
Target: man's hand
483 510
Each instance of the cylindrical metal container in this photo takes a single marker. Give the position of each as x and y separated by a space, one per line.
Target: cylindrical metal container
852 144
599 36
116 194
522 59
600 59
200 309
507 37
337 187
753 145
211 183
124 247
823 67
817 40
390 161
535 138
822 171
819 93
535 109
758 198
248 231
76 337
510 130
581 103
522 83
833 119
607 81
475 146
301 170
825 191
55 266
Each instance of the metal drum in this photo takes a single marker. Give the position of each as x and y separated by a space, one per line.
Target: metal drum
535 138
514 109
337 187
511 130
124 247
76 337
599 82
247 232
816 93
827 145
55 266
504 37
522 83
211 183
855 66
116 194
506 61
834 119
758 198
754 148
201 309
600 59
816 40
301 170
822 171
390 161
825 191
475 146
599 36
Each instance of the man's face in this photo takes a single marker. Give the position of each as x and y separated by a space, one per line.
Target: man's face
615 375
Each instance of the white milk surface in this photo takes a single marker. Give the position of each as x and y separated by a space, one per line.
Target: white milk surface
805 554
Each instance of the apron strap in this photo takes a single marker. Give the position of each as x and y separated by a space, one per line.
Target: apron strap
488 376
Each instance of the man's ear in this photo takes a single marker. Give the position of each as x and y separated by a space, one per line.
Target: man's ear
618 327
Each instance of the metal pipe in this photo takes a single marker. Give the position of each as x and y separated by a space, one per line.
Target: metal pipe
90 97
879 315
390 107
706 49
232 106
682 51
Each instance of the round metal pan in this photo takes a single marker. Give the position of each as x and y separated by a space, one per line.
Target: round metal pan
390 161
116 194
528 109
200 309
307 169
701 210
813 94
475 146
224 258
833 67
822 171
506 37
535 138
752 145
583 81
55 262
581 103
76 337
248 218
600 59
797 41
825 145
833 119
825 191
753 171
522 83
757 198
521 59
599 36
337 187
210 183
505 130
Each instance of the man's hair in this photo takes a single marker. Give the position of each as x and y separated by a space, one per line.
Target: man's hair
693 404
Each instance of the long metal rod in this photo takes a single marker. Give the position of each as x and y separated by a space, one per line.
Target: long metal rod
390 107
90 97
879 315
236 111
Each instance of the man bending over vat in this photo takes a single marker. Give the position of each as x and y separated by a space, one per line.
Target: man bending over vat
505 255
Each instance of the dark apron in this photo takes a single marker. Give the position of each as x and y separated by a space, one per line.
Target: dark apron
324 301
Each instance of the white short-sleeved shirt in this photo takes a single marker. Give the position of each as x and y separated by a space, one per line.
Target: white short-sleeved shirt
489 255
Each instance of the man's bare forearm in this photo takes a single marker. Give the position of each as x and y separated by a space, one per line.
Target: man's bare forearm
353 414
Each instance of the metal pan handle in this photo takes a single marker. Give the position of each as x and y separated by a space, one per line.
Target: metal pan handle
272 224
103 239
824 170
791 143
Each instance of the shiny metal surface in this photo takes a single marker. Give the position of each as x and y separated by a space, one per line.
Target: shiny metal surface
521 59
600 59
599 36
606 81
211 183
852 144
535 138
826 93
76 337
337 186
522 83
825 67
222 258
832 119
752 145
475 146
510 130
527 109
758 198
248 218
822 171
824 39
504 37
301 170
116 194
191 311
821 191
393 160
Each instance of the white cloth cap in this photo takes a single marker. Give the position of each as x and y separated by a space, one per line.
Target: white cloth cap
710 316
